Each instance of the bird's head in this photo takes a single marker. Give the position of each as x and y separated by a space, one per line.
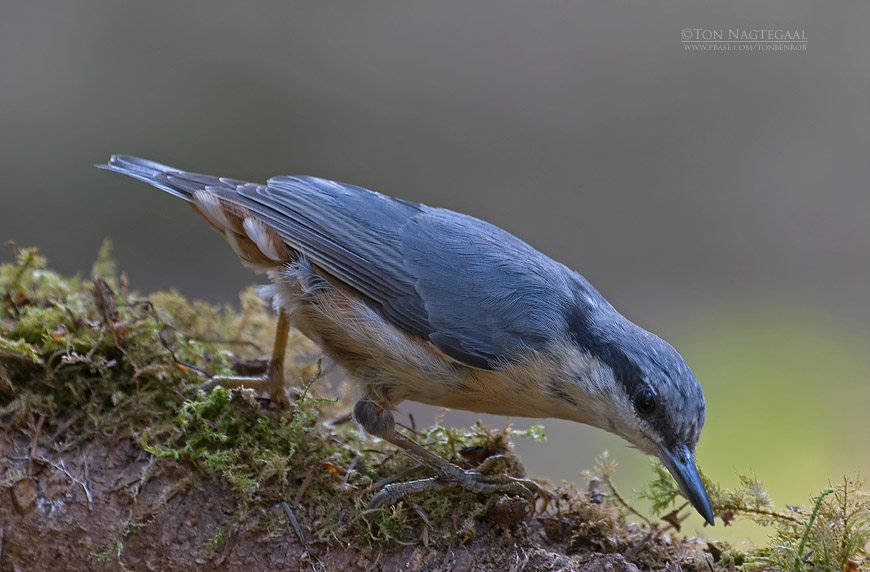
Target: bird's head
641 389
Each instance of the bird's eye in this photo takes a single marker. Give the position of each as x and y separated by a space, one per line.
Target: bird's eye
645 402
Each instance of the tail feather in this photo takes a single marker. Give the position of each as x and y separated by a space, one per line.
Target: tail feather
219 202
150 172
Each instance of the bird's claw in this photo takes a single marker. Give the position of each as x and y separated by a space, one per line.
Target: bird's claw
274 387
469 480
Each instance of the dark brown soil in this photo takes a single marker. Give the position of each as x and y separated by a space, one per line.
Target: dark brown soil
110 506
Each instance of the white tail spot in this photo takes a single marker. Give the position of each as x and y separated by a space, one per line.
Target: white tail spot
209 206
260 235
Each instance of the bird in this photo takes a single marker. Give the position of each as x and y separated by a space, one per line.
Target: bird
429 305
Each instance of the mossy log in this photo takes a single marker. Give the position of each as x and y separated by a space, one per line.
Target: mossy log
114 459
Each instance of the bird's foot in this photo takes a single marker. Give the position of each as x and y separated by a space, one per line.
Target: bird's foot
272 385
273 380
450 475
377 419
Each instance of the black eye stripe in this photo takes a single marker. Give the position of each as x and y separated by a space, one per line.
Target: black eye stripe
610 353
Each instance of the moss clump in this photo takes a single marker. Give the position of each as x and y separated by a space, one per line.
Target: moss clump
225 433
87 359
831 534
112 361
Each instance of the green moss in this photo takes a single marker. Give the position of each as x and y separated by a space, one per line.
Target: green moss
99 361
834 530
226 434
115 551
218 537
87 359
825 537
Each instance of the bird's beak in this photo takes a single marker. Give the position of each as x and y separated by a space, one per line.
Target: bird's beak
680 461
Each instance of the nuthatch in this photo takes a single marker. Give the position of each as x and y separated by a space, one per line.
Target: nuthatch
434 306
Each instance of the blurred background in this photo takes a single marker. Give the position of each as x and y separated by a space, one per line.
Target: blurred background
719 199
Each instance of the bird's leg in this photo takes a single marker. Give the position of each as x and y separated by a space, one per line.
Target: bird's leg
377 420
273 381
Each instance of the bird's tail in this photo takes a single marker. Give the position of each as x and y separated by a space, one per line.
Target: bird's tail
242 221
150 172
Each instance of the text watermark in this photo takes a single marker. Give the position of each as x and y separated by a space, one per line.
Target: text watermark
743 39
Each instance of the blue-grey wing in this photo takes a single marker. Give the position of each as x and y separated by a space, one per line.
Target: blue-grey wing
475 291
485 293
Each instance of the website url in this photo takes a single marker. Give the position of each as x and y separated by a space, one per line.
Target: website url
743 47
